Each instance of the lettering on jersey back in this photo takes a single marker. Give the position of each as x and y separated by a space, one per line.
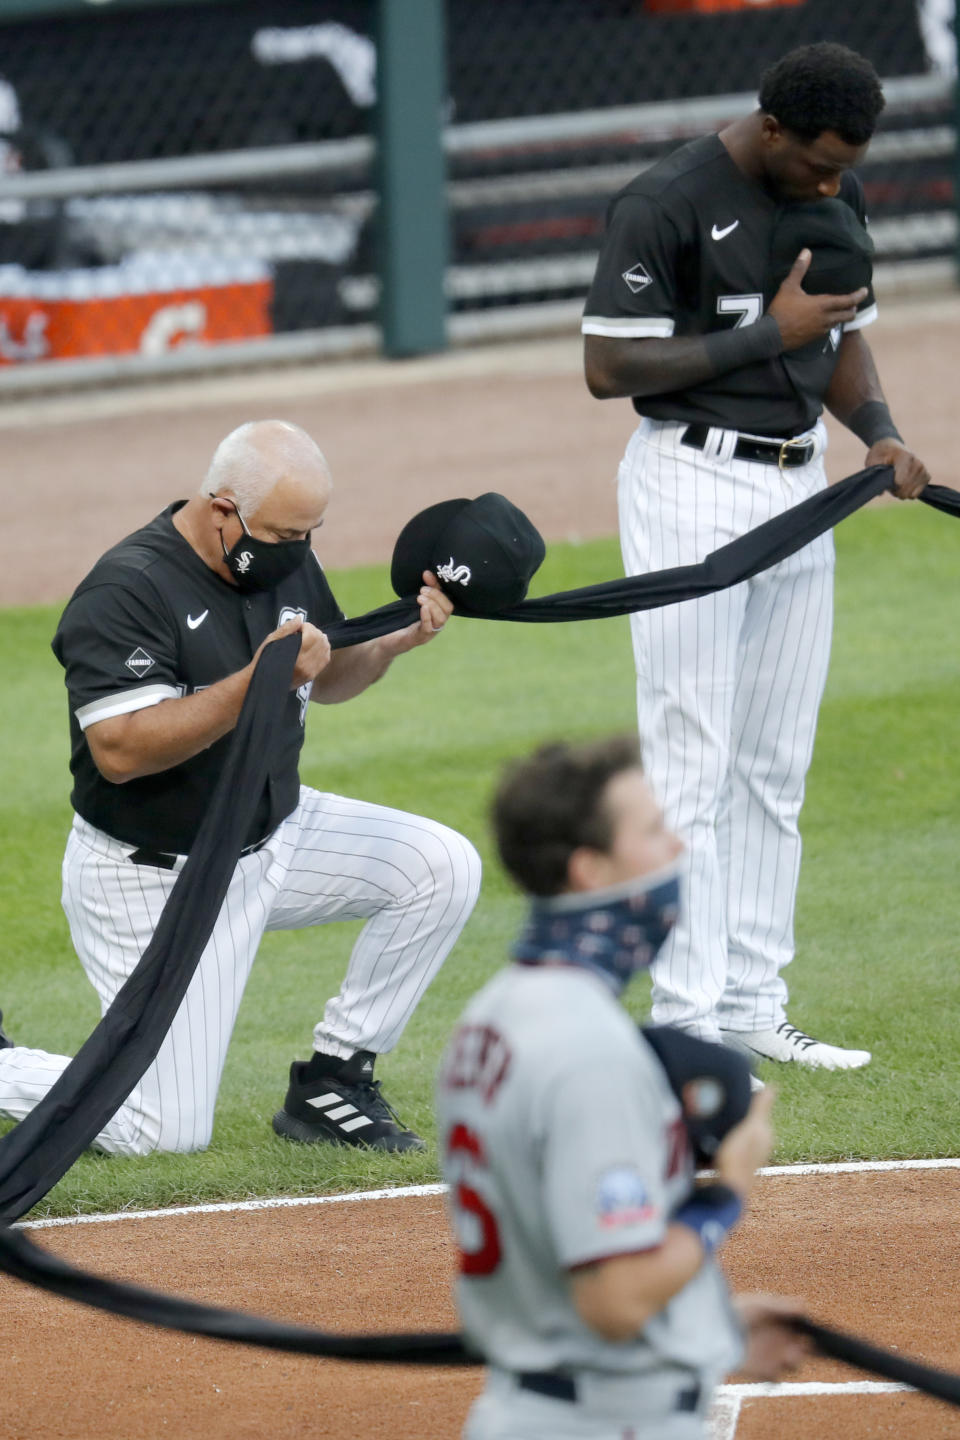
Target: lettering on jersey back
478 1059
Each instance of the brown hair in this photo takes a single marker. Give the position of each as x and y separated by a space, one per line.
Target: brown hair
548 805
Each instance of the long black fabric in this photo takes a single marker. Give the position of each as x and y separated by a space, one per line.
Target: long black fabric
25 1261
863 1355
739 560
38 1151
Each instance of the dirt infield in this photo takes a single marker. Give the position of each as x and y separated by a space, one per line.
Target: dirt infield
878 1253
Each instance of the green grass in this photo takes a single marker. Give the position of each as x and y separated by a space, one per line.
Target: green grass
876 927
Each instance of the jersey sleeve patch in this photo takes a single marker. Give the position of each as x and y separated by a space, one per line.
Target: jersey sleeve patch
138 662
637 278
622 1198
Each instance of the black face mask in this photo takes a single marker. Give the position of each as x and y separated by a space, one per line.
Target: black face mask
262 564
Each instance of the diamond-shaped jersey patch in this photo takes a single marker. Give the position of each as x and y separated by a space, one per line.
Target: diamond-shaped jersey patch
140 662
637 278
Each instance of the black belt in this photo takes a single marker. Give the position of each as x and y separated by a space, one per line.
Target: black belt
563 1387
161 860
787 454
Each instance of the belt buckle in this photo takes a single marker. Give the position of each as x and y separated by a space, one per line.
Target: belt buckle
797 440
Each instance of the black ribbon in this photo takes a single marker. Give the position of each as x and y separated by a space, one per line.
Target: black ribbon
43 1146
23 1260
739 560
863 1355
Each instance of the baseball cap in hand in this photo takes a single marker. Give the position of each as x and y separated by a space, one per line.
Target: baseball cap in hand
711 1082
484 553
841 248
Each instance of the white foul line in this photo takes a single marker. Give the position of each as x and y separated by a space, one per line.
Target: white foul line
232 1207
855 1167
792 1388
403 1192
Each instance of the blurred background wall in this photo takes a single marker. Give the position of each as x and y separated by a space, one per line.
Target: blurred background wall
187 184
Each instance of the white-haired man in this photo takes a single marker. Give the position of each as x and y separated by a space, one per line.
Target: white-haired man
158 644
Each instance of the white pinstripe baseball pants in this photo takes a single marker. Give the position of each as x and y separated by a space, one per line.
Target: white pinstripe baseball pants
413 880
728 690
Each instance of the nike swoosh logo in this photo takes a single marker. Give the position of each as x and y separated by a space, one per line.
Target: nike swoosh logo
719 234
199 620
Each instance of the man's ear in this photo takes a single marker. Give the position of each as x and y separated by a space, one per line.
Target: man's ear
221 508
771 131
587 868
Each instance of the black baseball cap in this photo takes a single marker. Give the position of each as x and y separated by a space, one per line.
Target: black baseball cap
711 1082
841 247
484 553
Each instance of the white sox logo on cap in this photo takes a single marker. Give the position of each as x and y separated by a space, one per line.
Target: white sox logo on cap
454 573
497 547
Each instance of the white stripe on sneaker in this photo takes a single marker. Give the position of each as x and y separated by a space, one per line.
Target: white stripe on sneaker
321 1102
361 1120
341 1112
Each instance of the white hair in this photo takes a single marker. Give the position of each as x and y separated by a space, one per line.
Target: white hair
255 457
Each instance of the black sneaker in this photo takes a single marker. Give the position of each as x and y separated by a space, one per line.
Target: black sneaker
5 1042
343 1108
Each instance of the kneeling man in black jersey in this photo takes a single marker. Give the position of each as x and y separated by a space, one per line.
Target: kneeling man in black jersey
159 643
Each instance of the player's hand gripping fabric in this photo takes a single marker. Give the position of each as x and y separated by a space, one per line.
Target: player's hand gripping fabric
435 611
314 653
910 475
773 1346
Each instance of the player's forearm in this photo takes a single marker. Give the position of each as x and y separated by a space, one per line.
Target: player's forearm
351 671
149 741
354 669
855 395
618 1297
617 368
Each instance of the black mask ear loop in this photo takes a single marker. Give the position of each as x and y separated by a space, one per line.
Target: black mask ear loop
236 507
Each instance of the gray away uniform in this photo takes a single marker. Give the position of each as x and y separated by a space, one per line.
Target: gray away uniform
562 1144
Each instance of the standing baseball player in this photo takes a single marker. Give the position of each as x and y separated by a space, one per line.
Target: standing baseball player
729 370
159 643
586 1272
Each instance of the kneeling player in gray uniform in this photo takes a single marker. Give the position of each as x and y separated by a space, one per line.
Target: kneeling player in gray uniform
587 1278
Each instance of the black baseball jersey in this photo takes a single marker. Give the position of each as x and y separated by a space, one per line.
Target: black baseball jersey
152 622
687 251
